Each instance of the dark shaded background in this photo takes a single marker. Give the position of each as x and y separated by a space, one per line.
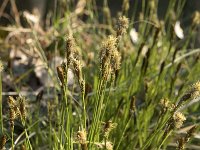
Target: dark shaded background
44 7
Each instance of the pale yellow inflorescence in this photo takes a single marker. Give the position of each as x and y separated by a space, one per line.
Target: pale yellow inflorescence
109 57
166 104
178 119
105 145
122 25
82 137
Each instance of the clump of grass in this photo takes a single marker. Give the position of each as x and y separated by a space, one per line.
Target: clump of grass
125 95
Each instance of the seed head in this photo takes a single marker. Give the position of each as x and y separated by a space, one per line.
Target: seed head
82 137
152 4
77 68
181 143
2 142
70 49
195 90
196 18
13 111
61 71
116 60
16 108
106 71
192 93
22 106
107 53
125 6
178 119
183 140
166 104
190 133
122 25
108 45
78 72
106 12
12 118
106 145
108 126
11 101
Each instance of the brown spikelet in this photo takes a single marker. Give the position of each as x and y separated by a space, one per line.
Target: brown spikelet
190 133
11 101
192 93
60 73
77 68
12 118
78 72
181 144
13 111
2 142
22 107
70 49
13 104
183 140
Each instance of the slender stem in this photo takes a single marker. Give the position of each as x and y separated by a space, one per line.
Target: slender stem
84 109
122 136
27 137
1 105
12 134
165 138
